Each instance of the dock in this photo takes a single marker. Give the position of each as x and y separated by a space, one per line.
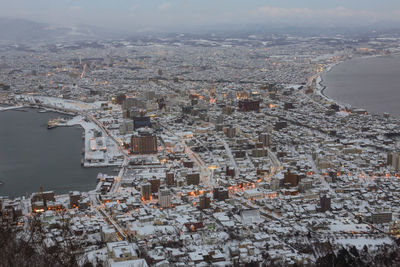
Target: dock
10 108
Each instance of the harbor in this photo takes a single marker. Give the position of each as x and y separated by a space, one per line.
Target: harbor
32 156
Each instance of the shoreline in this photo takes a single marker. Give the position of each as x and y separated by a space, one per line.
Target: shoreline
77 119
87 185
319 82
321 87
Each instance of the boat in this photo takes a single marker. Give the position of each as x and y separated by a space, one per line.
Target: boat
54 122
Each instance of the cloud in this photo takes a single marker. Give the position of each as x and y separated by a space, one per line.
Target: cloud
164 6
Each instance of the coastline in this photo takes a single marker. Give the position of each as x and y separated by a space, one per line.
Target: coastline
321 87
15 187
79 111
78 120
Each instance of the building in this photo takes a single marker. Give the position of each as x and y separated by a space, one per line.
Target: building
250 216
324 204
381 217
39 200
227 110
275 184
155 185
280 125
304 185
170 179
141 122
146 191
220 193
259 152
150 95
121 251
288 105
164 198
265 139
393 160
291 178
144 144
230 171
108 234
205 202
249 105
188 164
253 194
74 197
126 127
193 178
128 103
230 131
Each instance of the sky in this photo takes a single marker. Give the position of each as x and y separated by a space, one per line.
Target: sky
143 14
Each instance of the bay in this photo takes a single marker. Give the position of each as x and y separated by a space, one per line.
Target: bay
32 156
371 83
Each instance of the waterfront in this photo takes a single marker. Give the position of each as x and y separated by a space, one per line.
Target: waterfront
370 83
32 156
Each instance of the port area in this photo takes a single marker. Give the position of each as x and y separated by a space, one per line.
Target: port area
100 149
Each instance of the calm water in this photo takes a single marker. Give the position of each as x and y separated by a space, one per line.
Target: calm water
369 83
32 156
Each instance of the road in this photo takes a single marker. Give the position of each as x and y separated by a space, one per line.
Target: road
231 158
205 172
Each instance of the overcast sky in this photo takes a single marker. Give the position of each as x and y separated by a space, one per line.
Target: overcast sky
171 13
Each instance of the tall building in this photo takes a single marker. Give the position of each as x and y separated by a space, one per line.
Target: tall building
220 193
291 178
249 105
275 184
193 178
265 139
74 198
155 185
205 202
170 178
164 198
230 132
230 171
146 191
324 204
144 144
393 160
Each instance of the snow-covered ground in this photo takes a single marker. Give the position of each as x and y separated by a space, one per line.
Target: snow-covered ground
99 150
59 103
360 242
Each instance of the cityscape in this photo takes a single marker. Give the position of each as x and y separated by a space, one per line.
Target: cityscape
212 149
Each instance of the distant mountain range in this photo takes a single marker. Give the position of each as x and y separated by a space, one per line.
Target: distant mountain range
25 30
21 30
